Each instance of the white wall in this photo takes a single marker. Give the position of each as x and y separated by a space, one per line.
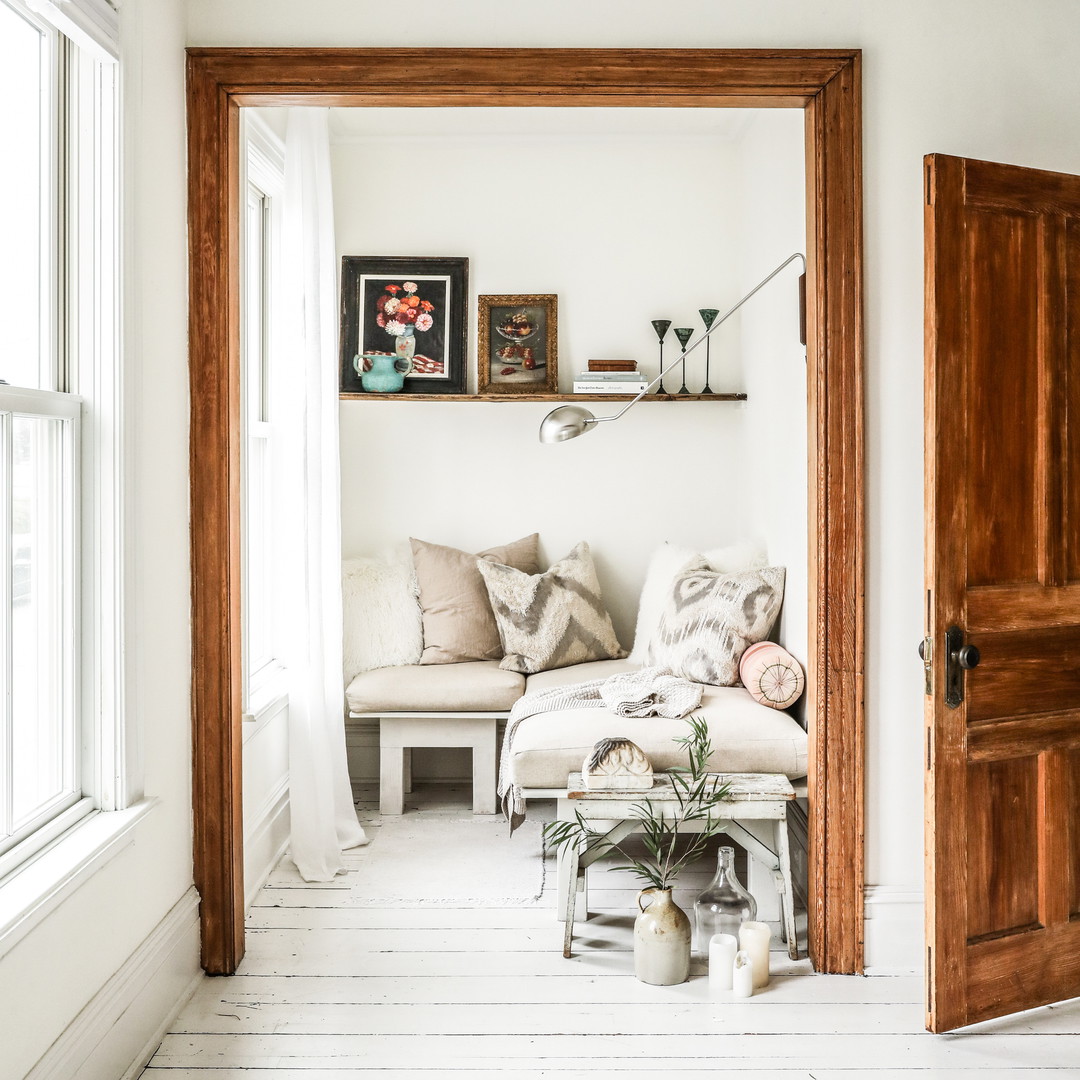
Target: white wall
95 945
772 226
997 79
577 202
550 213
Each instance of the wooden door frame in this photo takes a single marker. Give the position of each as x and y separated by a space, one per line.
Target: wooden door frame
826 84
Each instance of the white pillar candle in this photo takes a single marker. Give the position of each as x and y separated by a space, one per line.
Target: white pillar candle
722 950
754 939
742 975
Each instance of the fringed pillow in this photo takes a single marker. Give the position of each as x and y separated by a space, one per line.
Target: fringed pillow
551 620
711 619
380 613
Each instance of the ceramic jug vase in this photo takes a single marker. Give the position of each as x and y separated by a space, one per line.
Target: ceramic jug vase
661 939
382 373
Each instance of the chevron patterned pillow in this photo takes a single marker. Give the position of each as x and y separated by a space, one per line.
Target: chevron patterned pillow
551 620
711 619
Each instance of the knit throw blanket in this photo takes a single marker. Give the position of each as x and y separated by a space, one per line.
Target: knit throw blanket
648 692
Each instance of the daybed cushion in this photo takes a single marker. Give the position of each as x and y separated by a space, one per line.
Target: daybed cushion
746 736
481 686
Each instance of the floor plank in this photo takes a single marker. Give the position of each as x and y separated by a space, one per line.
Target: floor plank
669 1072
631 1052
562 989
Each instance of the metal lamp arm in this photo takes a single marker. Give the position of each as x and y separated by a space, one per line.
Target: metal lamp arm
715 326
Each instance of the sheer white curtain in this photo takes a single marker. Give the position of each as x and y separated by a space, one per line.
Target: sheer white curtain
323 817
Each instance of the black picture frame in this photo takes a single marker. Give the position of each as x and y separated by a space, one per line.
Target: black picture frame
442 294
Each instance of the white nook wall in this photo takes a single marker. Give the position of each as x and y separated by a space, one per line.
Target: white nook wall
595 219
581 203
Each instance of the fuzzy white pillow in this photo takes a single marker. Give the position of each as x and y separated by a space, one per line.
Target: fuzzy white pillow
667 562
381 609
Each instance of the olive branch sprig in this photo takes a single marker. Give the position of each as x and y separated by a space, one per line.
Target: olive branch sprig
697 793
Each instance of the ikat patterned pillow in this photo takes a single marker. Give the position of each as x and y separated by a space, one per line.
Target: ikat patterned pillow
712 618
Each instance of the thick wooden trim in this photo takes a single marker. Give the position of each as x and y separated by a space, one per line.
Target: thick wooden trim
837 565
214 335
824 82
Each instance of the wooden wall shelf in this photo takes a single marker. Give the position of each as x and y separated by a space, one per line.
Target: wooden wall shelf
550 398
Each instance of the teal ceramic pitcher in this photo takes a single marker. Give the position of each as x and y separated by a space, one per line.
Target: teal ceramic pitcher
382 373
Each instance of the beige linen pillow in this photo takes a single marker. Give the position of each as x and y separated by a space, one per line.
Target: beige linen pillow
710 620
554 619
458 623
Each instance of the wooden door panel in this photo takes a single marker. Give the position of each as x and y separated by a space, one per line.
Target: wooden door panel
1021 670
1002 546
1014 607
996 740
1002 862
1073 842
1029 967
1002 398
1071 395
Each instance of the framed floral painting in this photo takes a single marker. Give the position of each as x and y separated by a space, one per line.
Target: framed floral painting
403 325
518 349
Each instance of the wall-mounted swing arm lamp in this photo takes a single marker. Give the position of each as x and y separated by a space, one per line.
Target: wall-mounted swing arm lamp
570 421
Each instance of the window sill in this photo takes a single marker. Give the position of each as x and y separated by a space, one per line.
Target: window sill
32 892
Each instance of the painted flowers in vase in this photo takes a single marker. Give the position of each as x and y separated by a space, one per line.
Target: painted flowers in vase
402 314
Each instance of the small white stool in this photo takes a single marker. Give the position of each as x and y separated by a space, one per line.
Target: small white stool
399 734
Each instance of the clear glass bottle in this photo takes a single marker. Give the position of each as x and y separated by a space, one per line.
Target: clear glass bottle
724 905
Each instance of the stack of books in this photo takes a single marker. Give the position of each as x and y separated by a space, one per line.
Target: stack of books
610 377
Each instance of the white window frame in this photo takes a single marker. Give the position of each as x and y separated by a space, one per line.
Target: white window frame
263 175
87 366
70 803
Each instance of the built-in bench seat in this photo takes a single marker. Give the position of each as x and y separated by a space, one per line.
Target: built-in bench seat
461 704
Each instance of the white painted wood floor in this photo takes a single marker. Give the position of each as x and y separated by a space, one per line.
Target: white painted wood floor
333 986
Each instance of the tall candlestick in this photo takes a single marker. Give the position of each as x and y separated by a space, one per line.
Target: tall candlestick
754 939
722 950
742 975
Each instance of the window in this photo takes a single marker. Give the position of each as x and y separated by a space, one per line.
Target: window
264 166
60 520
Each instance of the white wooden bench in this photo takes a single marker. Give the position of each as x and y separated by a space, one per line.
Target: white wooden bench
755 816
400 732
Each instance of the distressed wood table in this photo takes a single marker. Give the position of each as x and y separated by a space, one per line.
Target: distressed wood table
754 813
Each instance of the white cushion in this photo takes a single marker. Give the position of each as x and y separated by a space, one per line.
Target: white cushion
746 737
577 673
479 686
380 613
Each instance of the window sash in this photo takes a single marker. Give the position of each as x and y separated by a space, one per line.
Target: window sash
57 577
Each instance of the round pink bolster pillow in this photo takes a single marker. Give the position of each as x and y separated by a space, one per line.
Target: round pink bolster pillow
772 675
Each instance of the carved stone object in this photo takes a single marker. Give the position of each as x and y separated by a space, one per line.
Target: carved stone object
617 765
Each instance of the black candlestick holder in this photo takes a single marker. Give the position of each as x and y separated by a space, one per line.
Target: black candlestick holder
708 317
684 334
661 328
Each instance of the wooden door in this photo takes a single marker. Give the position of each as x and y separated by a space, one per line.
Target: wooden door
1002 578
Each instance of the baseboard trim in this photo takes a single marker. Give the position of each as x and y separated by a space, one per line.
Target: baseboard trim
119 1029
893 930
268 841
